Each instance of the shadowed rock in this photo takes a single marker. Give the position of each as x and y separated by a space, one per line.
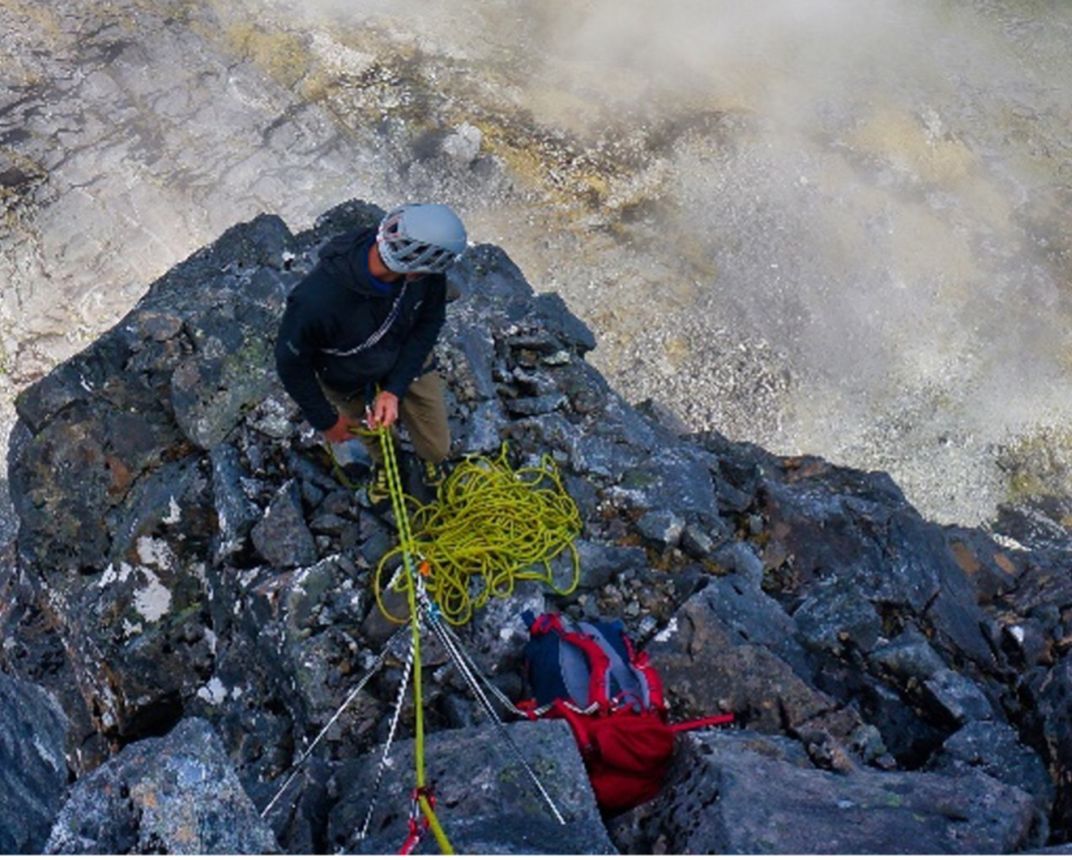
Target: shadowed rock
33 773
729 796
174 795
486 803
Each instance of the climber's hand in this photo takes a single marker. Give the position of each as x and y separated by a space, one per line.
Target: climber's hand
384 410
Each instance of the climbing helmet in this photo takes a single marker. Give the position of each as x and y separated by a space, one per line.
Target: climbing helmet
420 237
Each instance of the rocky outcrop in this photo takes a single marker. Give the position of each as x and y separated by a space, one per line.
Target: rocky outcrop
172 795
186 550
737 793
33 772
481 786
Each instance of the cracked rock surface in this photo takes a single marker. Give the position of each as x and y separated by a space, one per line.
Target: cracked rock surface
184 550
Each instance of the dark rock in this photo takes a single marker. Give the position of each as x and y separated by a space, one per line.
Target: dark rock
810 599
957 698
487 270
486 803
623 423
987 566
232 367
553 316
836 616
535 405
281 537
906 734
80 469
485 428
669 480
275 416
303 624
538 384
1040 586
995 749
237 513
497 632
331 524
310 471
600 457
33 773
1054 705
697 542
663 416
725 797
473 351
709 665
599 562
907 656
742 607
178 795
958 621
739 557
663 528
1028 641
583 493
586 389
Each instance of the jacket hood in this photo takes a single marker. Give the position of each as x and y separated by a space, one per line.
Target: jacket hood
346 259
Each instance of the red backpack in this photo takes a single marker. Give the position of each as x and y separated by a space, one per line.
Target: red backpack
591 675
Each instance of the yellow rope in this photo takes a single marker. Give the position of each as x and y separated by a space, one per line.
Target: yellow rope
398 504
489 527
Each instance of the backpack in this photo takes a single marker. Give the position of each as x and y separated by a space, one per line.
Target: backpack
591 675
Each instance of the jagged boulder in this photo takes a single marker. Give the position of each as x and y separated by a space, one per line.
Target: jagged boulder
724 653
486 802
736 793
33 772
115 497
1053 722
174 795
995 749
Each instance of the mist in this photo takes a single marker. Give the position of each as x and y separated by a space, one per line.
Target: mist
820 225
867 215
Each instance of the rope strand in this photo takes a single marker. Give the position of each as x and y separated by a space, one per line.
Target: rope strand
489 527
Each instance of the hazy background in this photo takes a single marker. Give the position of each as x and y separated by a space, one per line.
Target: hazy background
824 226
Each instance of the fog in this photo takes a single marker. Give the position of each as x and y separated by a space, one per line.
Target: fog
824 226
878 226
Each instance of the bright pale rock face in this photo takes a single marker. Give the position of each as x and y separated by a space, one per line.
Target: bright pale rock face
822 231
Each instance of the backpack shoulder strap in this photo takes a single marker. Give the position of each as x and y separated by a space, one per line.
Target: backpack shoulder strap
631 685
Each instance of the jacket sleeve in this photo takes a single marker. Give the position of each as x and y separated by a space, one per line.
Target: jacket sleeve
421 339
295 347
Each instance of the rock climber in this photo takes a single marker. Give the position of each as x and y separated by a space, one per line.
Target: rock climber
356 338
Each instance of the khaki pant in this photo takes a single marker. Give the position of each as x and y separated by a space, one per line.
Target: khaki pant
423 410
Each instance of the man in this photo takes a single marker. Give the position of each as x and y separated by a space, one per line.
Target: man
358 331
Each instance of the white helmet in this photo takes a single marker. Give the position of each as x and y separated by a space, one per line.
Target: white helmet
420 238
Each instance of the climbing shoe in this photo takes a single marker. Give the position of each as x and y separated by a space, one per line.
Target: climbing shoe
378 490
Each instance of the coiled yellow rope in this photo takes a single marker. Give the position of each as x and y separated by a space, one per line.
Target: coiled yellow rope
489 527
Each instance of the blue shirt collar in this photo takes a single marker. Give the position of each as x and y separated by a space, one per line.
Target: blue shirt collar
382 287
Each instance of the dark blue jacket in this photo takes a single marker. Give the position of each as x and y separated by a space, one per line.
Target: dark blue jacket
341 327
